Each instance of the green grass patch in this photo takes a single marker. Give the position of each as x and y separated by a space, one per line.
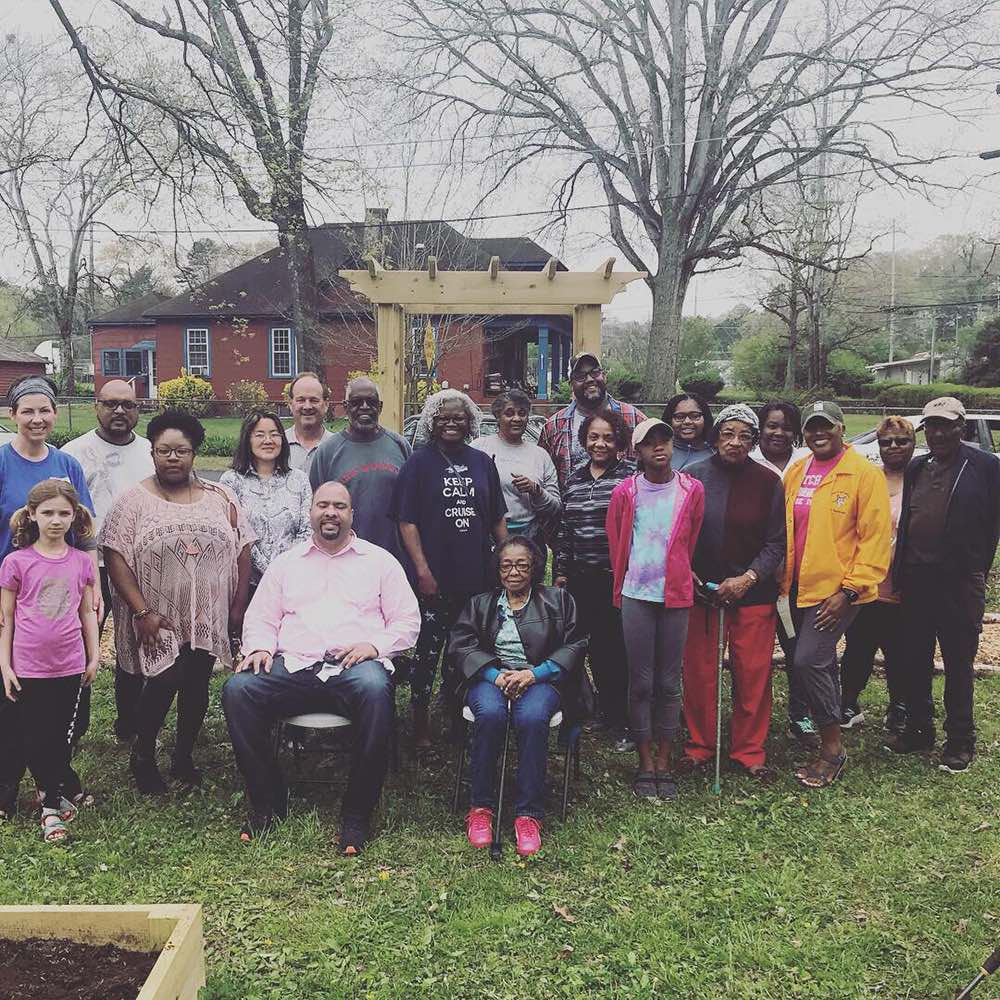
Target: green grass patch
885 885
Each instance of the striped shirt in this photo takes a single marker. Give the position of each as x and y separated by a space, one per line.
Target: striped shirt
583 539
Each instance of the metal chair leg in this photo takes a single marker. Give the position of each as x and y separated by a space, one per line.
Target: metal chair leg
565 790
394 758
576 760
279 730
459 771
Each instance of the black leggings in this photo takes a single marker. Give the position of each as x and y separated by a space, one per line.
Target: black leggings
49 707
187 678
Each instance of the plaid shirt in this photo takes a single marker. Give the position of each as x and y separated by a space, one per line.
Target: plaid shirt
557 435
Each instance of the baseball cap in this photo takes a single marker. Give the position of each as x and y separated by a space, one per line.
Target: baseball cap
946 407
583 356
826 410
641 430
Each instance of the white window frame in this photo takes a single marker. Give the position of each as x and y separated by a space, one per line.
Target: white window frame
191 367
273 353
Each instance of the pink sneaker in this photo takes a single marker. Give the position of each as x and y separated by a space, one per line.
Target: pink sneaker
479 826
528 832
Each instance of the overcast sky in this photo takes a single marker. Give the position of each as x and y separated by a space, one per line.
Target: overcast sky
584 245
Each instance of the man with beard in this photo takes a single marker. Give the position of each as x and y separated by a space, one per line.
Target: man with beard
366 458
561 435
114 458
327 617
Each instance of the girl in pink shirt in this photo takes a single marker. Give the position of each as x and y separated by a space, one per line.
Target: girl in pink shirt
49 639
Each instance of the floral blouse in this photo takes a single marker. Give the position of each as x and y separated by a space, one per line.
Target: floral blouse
277 509
184 557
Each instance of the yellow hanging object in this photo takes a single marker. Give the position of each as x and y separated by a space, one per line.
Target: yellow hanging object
430 346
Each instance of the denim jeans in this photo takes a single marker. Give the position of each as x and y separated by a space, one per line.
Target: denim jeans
531 715
254 702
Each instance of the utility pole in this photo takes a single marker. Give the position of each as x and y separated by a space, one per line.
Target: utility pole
934 320
892 296
90 269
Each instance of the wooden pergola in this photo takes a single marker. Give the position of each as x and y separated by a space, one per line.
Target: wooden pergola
493 292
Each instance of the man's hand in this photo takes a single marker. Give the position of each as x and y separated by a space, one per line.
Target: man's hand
258 662
831 611
147 629
349 655
10 683
426 584
90 673
525 485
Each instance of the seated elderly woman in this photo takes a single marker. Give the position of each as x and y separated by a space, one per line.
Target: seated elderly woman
518 646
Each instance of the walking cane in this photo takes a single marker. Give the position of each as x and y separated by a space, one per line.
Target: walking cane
989 967
495 849
717 787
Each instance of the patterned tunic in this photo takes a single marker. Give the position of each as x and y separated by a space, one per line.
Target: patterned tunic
277 509
184 557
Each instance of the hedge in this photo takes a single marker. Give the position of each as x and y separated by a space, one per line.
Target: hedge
220 445
899 394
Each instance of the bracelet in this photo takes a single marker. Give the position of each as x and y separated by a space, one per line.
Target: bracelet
141 614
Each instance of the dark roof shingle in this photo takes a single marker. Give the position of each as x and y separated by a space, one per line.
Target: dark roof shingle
11 352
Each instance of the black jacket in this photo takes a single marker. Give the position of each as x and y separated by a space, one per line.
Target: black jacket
972 519
548 629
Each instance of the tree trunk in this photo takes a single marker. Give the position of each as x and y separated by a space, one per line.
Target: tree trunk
66 354
669 286
293 238
793 341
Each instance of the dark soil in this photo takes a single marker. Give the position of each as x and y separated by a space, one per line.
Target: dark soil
38 969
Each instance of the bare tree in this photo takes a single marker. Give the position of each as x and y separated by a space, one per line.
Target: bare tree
239 80
58 173
682 112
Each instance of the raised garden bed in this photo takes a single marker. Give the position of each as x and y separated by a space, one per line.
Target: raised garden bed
173 932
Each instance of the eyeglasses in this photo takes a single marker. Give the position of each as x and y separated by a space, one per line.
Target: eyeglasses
898 442
182 451
450 420
744 437
266 435
128 405
521 565
361 404
680 418
594 373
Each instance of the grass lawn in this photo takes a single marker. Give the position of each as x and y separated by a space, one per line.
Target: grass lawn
885 885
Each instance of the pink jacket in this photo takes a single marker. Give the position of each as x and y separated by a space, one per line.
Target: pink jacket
687 523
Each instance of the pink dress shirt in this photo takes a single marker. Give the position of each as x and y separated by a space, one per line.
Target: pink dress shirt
309 601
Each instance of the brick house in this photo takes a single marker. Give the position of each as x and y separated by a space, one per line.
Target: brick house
15 363
238 325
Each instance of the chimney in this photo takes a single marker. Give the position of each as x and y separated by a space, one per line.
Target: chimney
375 219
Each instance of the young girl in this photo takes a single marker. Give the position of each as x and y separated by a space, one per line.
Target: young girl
46 595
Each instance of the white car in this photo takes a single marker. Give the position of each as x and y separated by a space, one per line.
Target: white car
982 430
6 434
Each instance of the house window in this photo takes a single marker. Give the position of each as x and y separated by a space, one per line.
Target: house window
197 358
282 357
111 362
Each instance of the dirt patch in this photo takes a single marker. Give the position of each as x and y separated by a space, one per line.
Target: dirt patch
989 644
43 969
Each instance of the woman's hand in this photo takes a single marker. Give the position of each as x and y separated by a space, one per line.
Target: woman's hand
426 584
733 588
90 673
10 683
147 629
236 623
831 611
518 681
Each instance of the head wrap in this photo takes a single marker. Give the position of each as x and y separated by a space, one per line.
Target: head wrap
739 411
30 386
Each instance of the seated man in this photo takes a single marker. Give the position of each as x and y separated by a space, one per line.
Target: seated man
323 616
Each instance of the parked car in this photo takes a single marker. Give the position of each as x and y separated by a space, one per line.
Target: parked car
6 434
982 430
487 426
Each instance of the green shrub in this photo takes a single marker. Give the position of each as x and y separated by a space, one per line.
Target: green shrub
900 394
221 445
624 382
563 394
188 393
247 396
703 379
847 372
733 395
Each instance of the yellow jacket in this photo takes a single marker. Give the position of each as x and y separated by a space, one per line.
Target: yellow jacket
849 537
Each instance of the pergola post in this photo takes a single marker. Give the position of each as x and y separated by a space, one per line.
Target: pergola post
543 362
587 330
391 340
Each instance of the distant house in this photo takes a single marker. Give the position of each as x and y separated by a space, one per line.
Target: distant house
51 350
15 363
915 370
239 325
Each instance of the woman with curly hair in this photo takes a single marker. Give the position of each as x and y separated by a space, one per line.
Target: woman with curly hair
450 508
690 418
178 552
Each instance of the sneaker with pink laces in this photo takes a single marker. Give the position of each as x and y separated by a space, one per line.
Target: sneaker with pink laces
528 832
479 826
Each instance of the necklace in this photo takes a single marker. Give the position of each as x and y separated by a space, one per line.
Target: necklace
162 493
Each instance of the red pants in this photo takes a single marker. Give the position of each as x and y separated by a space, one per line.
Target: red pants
750 635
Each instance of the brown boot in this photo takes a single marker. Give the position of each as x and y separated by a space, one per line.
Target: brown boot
421 727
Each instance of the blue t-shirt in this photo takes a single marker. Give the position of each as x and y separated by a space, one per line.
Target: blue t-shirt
454 501
652 526
18 475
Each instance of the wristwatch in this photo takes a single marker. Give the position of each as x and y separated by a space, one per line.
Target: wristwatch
851 595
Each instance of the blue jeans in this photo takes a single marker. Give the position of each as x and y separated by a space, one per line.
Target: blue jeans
531 715
254 702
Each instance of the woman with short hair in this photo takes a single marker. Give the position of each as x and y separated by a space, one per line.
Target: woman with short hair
274 497
690 418
450 508
517 648
177 549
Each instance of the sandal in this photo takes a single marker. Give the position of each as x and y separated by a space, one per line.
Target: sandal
644 784
67 809
813 777
666 786
54 830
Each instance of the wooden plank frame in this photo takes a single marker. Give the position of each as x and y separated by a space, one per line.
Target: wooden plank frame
492 292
